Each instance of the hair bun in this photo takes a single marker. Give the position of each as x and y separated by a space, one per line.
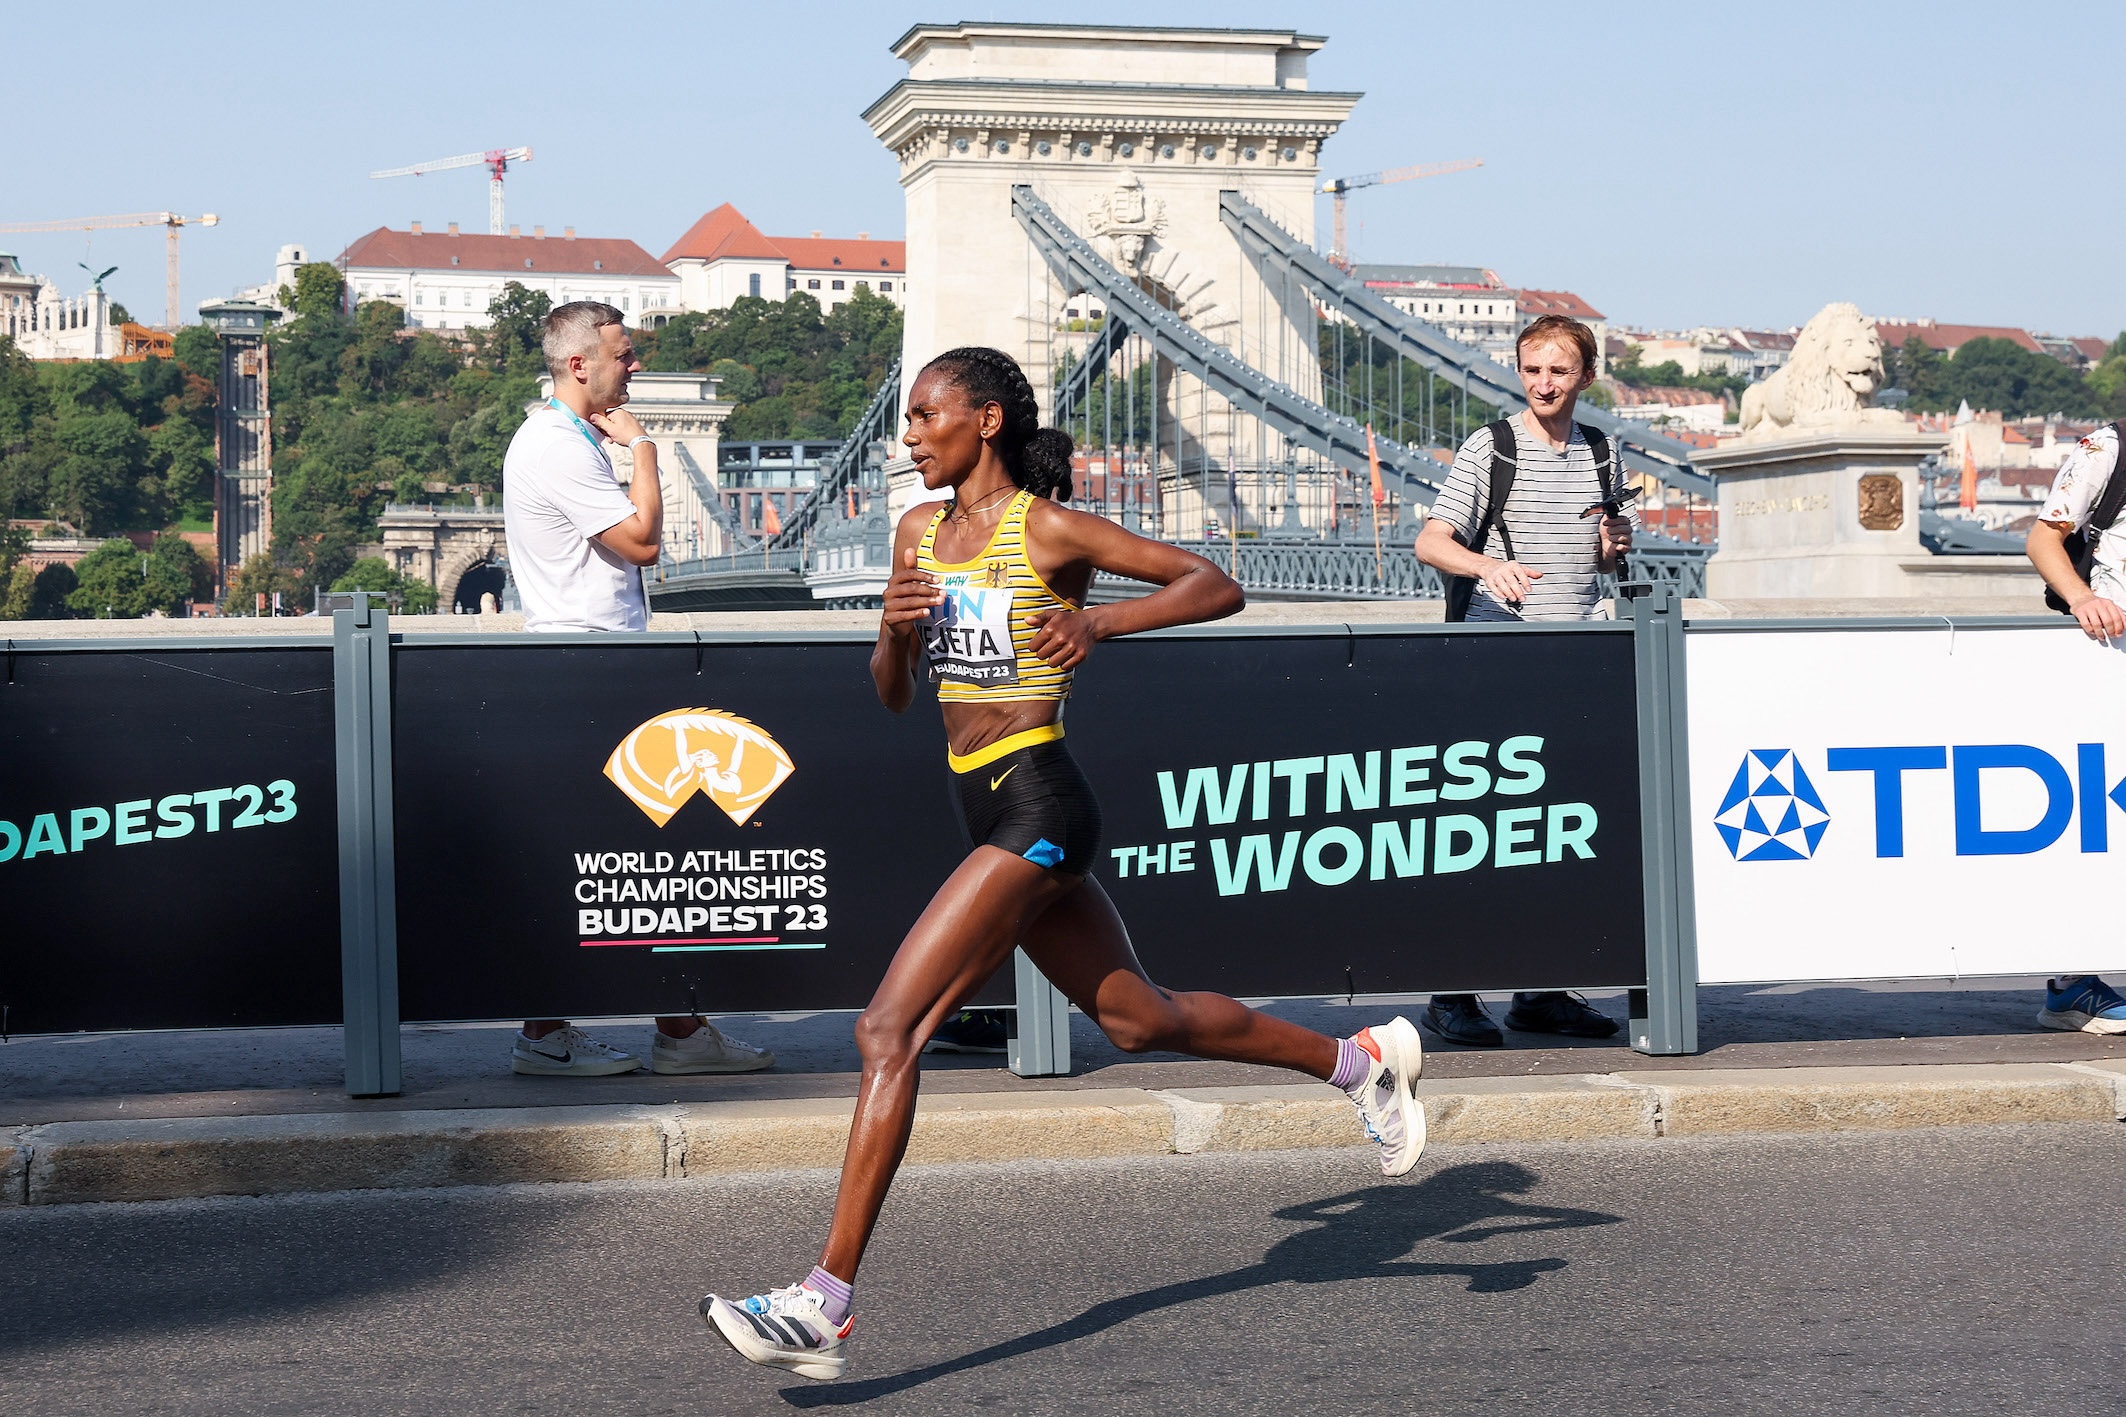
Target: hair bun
1047 458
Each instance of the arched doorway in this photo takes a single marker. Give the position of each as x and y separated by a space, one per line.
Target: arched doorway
486 578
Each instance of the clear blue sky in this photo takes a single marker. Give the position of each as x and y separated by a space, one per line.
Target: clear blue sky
1674 163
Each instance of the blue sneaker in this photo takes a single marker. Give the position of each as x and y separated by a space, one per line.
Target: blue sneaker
2084 1004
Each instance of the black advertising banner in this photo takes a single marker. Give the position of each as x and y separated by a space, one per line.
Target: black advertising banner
647 827
655 827
168 839
1317 814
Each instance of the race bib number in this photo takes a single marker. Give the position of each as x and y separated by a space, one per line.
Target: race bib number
968 638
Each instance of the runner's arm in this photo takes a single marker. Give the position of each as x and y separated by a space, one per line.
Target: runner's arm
1191 589
910 593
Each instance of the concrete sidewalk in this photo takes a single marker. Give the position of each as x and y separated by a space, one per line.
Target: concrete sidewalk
97 1117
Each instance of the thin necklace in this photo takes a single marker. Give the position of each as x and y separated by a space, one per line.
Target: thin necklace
982 506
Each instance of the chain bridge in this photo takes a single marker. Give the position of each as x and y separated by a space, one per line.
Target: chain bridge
1142 242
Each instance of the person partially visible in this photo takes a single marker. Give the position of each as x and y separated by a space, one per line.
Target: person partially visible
1555 547
577 542
2079 547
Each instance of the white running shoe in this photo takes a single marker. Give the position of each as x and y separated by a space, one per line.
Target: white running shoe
569 1052
1393 1116
705 1050
783 1328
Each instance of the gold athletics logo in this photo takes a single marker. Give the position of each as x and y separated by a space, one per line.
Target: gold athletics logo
668 759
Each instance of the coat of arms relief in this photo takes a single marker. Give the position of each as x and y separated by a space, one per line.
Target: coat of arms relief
1126 219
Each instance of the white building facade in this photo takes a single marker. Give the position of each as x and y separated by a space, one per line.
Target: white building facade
46 325
1468 303
445 279
286 262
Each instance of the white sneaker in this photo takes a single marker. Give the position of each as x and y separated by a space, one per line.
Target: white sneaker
706 1050
1393 1116
569 1052
783 1328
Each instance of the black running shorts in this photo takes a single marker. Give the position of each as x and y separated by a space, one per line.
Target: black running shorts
1034 803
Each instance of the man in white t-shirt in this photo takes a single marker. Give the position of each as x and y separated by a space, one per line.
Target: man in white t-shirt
577 543
2084 1002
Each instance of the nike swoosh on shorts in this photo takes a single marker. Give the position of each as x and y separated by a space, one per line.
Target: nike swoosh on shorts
998 781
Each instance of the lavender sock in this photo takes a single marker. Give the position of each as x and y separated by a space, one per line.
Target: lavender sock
1351 1065
834 1296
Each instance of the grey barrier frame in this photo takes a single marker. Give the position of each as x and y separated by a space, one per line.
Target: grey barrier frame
1664 1015
369 928
363 644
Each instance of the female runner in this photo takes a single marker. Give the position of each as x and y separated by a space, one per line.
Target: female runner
988 602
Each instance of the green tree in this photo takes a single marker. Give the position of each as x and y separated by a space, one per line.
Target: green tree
198 352
516 331
183 459
1919 369
320 291
22 396
117 580
258 576
412 597
792 372
95 484
17 589
49 590
2107 386
2000 374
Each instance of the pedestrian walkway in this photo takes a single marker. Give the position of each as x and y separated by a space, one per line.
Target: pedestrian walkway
156 1115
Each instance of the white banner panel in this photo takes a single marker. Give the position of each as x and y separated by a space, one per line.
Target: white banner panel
1910 803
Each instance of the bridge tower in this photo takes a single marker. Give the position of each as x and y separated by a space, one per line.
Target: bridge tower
1129 134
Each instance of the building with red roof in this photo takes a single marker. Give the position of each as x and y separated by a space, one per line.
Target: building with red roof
446 279
723 257
1947 339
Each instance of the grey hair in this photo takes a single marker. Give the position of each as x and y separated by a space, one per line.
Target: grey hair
573 329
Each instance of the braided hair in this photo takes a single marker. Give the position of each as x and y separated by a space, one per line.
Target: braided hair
1037 458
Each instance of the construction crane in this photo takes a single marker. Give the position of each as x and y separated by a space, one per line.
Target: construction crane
496 161
172 312
1340 187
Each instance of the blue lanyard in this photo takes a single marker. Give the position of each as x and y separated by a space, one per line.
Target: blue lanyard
581 427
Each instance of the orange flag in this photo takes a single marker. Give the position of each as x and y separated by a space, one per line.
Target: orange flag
770 519
1380 493
1968 500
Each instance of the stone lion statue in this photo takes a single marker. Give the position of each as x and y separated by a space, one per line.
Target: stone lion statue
1835 369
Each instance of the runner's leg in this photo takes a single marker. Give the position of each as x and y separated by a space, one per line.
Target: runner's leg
963 936
1080 943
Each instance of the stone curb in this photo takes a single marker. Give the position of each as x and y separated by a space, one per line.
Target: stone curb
77 1162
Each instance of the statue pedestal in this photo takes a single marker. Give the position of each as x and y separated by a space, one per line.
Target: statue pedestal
1821 513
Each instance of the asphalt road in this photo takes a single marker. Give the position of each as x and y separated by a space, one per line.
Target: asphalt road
1958 1271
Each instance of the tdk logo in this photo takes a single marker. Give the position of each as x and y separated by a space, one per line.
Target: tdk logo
1772 811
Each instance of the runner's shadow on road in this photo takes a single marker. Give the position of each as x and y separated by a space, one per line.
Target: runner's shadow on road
1365 1234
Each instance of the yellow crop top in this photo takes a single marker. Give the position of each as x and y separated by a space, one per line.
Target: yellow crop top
976 642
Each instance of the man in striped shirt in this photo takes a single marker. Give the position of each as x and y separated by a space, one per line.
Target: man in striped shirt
1554 552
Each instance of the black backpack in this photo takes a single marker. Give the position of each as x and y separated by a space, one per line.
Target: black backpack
1504 455
2081 545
